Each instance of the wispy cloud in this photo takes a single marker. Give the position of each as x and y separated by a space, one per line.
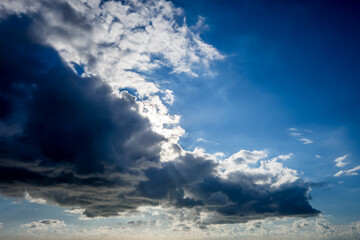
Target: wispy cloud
350 172
299 135
340 161
305 140
202 140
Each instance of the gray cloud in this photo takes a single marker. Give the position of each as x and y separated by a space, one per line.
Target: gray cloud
72 131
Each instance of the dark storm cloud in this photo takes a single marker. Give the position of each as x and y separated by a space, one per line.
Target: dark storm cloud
70 141
233 201
68 131
239 202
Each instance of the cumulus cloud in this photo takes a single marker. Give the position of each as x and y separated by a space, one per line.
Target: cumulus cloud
72 139
340 161
140 35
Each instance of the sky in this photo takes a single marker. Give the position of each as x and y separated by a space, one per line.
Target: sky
154 119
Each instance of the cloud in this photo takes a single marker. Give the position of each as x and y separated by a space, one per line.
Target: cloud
34 200
350 172
72 131
121 42
202 140
71 141
299 135
305 140
245 156
220 155
318 226
340 161
236 192
114 38
44 225
75 211
274 228
286 157
139 223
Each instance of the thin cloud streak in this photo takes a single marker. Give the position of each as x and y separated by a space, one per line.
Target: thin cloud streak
350 172
294 132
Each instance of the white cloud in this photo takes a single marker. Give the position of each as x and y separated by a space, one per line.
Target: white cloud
269 172
285 157
350 172
202 140
299 135
219 155
1 224
44 225
317 156
305 140
169 97
340 161
138 35
75 211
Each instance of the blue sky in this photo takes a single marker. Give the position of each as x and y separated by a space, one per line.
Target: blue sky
206 114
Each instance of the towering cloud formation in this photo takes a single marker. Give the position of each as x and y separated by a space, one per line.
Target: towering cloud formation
69 137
